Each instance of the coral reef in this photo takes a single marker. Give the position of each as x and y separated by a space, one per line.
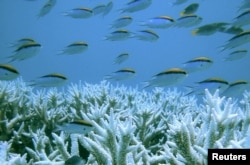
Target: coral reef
130 126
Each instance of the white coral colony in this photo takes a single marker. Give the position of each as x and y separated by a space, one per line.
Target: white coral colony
114 124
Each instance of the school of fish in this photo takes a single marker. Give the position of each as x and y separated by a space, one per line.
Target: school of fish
147 31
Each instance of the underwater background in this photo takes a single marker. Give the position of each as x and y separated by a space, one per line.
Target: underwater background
68 97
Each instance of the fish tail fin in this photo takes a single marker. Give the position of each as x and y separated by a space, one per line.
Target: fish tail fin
121 11
194 32
145 84
182 13
10 59
222 48
190 90
57 128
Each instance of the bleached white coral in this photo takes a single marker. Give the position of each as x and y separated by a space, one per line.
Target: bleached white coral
130 126
8 158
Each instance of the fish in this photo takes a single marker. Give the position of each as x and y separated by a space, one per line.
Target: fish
159 22
209 29
237 40
118 35
167 77
146 35
243 19
80 12
121 58
74 160
197 64
236 55
136 5
25 51
47 7
8 72
122 74
76 127
49 80
22 41
212 84
122 22
108 8
190 9
231 30
236 88
99 9
245 5
179 2
188 20
75 48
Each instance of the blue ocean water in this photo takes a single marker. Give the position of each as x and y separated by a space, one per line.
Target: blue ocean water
174 47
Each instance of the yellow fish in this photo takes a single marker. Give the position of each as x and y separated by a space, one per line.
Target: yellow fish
167 77
8 72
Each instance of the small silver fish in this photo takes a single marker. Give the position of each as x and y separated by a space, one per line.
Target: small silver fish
122 74
25 51
76 127
179 2
75 48
243 19
99 9
47 7
236 55
188 21
118 35
49 80
8 72
146 35
168 77
231 30
237 40
80 12
136 5
236 88
121 58
212 84
22 41
108 8
122 22
245 5
159 22
197 64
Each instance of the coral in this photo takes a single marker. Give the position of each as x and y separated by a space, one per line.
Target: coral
130 126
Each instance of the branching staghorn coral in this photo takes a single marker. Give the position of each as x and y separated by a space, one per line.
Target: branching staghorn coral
218 126
130 126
